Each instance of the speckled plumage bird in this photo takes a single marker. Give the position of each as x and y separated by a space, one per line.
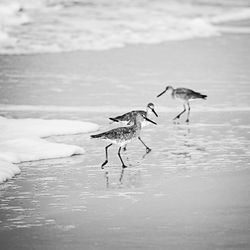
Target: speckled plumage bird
184 95
123 135
130 116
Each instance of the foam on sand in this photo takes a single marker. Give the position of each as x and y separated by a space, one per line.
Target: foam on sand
8 170
22 140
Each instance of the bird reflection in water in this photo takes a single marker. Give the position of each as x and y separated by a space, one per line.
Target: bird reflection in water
134 174
189 145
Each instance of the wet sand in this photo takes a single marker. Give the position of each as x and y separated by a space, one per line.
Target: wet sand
131 77
201 211
190 192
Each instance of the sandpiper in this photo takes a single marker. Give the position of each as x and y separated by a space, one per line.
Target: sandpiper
129 117
184 95
123 135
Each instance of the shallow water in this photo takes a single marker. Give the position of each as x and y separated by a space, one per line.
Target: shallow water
211 143
190 192
121 80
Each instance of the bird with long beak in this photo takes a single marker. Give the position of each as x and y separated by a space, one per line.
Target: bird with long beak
185 95
129 117
123 135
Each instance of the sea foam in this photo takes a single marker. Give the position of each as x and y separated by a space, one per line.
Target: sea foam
23 140
10 16
53 26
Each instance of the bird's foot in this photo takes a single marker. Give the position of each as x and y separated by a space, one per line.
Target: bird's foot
124 149
104 163
124 166
177 117
148 150
187 121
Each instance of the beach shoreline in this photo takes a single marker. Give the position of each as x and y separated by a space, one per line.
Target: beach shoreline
217 66
190 192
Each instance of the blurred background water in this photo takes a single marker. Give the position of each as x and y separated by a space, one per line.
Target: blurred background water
67 25
101 26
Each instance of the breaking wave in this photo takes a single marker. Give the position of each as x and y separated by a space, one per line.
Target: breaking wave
44 26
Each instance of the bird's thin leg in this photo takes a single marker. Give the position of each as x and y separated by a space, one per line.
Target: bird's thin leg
188 112
147 148
119 151
179 115
106 151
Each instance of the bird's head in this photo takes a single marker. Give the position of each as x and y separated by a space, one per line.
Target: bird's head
165 90
151 106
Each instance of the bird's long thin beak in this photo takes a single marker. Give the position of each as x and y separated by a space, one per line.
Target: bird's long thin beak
154 112
149 120
162 93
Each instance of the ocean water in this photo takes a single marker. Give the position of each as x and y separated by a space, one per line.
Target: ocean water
69 194
56 203
59 25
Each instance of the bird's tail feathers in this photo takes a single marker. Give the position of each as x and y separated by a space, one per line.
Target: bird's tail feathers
199 95
204 96
96 136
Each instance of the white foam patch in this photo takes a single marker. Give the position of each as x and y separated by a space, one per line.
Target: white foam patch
29 26
7 171
23 149
234 15
10 16
21 140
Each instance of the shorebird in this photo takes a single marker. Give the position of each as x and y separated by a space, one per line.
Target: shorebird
129 117
123 135
185 95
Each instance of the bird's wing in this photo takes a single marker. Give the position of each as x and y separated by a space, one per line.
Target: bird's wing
124 117
189 93
115 133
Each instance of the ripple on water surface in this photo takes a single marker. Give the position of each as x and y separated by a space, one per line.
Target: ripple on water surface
79 185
